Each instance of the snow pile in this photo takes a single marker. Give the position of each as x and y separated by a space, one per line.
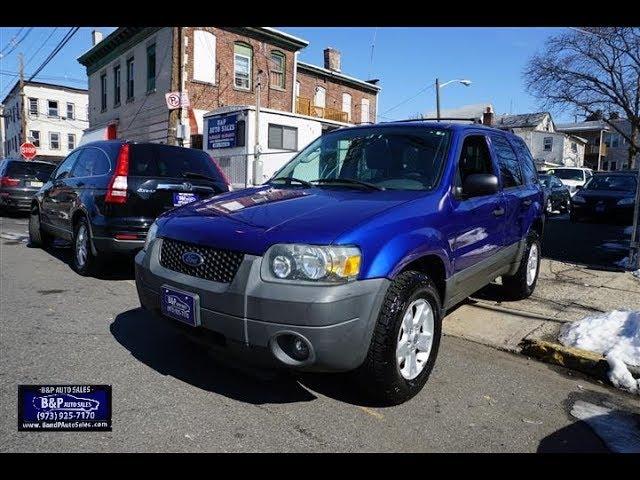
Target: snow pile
616 335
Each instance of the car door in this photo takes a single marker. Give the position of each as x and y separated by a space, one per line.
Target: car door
55 199
477 221
518 197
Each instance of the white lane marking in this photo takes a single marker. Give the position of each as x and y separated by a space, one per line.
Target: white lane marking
619 429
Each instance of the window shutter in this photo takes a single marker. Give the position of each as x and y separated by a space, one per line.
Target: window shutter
204 56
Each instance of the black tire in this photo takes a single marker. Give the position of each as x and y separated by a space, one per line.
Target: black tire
380 373
91 264
37 236
518 286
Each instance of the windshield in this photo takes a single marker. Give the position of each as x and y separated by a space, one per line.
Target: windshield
156 160
568 174
393 157
623 183
41 171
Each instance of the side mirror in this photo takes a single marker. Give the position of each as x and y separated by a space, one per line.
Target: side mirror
479 184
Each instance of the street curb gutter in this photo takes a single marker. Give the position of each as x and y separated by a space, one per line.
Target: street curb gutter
583 361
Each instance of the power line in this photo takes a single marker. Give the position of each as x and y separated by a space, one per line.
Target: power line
11 42
17 43
408 99
72 31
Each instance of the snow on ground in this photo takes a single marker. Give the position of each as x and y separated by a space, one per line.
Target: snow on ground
615 335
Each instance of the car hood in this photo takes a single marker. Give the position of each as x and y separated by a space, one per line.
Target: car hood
253 219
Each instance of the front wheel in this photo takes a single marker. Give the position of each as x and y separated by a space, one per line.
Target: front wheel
37 236
522 284
405 340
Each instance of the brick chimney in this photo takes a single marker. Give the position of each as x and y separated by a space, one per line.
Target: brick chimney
487 116
96 37
332 59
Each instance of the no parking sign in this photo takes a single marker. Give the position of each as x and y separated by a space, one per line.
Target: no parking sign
177 100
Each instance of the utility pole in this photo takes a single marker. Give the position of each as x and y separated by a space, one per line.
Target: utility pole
633 250
438 99
257 163
23 117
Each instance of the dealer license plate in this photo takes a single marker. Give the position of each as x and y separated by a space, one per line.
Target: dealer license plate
180 305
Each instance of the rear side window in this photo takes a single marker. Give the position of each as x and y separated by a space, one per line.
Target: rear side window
508 162
92 162
157 160
41 171
529 171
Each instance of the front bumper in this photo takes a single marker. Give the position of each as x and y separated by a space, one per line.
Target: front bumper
249 314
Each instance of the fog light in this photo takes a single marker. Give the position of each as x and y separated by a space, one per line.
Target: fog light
294 347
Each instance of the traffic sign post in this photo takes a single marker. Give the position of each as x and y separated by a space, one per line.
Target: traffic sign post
28 150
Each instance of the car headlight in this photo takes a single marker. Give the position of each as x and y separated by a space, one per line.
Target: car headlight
151 235
297 263
578 199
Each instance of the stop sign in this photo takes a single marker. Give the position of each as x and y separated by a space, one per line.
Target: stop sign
28 150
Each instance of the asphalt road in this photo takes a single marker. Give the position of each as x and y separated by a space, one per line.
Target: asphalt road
168 395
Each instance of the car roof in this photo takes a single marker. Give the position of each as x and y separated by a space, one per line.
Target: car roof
570 168
443 124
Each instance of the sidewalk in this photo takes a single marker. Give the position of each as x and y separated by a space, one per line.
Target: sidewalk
564 293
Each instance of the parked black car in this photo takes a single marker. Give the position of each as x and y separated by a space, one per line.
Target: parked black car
104 196
556 194
607 195
19 182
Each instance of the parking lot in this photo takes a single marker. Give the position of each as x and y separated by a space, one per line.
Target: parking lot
168 395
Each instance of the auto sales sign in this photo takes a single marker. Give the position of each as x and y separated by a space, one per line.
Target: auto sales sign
221 132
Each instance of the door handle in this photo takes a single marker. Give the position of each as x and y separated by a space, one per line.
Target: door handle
498 212
526 202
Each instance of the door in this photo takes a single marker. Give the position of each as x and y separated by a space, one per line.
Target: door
478 221
517 201
54 197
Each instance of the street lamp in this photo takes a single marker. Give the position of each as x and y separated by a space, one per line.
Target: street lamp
464 82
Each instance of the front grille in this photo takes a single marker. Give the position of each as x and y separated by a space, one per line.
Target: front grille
218 266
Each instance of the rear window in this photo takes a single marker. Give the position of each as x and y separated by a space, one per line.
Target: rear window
41 171
156 160
568 174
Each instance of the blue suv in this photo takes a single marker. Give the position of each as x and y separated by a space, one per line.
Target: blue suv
348 258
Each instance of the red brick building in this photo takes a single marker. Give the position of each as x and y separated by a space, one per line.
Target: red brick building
132 69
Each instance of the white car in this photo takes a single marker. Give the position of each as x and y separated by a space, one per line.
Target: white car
572 177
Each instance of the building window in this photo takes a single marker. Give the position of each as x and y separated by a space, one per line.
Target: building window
54 140
282 138
319 99
346 105
242 61
574 147
53 108
35 137
204 56
103 92
71 111
33 106
116 85
277 70
151 67
130 79
364 111
547 144
613 166
71 141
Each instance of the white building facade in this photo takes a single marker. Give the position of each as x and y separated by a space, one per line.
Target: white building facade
55 118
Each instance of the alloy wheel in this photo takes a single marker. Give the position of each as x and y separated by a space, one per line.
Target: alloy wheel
415 338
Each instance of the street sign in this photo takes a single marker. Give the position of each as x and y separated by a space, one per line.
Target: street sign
177 100
28 150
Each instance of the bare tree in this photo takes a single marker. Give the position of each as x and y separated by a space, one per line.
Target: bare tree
593 70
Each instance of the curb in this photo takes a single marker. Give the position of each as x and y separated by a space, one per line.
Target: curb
584 361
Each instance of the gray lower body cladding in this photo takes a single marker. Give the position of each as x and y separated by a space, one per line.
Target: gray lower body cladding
336 321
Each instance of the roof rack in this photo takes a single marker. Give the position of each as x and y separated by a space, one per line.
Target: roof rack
466 119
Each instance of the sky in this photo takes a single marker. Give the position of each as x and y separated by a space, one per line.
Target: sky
406 60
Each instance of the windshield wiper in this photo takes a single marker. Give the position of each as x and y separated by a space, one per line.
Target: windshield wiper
348 181
198 175
293 179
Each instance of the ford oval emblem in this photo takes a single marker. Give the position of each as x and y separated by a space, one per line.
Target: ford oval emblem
193 259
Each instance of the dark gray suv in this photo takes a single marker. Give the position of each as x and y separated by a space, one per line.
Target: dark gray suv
19 182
